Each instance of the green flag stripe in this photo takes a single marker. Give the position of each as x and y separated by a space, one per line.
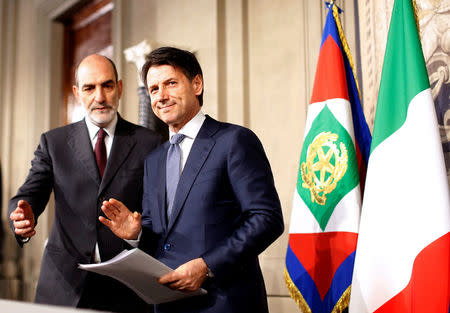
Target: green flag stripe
404 73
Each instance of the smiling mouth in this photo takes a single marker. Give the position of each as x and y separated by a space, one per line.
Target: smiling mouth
166 107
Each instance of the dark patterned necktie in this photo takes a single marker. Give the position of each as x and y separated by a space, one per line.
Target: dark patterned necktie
100 151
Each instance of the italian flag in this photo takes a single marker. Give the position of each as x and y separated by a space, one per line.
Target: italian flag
402 259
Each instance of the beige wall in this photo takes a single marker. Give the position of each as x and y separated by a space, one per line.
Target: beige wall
187 24
258 57
24 115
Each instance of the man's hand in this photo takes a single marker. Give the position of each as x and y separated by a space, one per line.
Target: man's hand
187 277
23 218
122 222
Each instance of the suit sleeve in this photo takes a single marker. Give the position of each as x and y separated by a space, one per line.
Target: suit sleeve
38 185
147 241
261 220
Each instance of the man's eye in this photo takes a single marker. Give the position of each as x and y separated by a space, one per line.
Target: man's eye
88 88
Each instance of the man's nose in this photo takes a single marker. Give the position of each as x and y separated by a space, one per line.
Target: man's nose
163 94
99 95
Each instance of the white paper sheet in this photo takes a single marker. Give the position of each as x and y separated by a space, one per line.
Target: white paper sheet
140 272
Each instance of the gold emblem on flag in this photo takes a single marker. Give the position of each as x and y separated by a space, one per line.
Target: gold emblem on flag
325 150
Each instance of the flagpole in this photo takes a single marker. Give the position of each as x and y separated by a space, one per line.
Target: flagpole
345 44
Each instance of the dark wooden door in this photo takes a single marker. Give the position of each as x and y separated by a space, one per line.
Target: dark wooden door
87 30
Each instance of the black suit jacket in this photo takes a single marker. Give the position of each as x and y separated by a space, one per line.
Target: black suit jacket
64 163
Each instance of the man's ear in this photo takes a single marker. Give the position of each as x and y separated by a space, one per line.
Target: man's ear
120 86
75 92
197 83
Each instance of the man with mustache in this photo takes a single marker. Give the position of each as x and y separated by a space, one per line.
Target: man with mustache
84 163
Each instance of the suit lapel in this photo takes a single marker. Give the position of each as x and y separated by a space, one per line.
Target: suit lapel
81 146
161 185
200 150
122 145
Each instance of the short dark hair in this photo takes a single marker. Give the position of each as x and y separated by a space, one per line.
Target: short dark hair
180 59
116 75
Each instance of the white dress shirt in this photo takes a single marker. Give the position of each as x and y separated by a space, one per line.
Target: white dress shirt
190 130
110 129
93 130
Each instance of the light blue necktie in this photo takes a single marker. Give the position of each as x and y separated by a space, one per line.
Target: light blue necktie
173 171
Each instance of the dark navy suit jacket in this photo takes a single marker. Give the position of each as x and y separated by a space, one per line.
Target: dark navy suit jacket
226 210
64 163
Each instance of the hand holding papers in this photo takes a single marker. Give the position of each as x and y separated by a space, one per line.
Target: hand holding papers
140 272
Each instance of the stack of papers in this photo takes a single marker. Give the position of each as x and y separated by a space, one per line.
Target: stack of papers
140 272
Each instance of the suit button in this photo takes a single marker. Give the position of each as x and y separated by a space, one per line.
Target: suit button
167 246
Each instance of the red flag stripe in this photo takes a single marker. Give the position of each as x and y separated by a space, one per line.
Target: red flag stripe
330 64
427 291
322 253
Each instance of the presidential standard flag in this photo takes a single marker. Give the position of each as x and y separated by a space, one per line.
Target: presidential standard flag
403 256
326 206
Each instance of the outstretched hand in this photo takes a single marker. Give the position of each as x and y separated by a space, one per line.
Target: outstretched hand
23 220
122 222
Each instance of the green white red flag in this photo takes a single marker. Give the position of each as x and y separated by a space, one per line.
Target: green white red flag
402 259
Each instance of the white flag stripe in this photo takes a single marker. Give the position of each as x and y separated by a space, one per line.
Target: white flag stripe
313 110
341 110
406 198
345 216
302 220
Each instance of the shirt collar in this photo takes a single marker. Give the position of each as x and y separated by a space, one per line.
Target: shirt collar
93 129
192 127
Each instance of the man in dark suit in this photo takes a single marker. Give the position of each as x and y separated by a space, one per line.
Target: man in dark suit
84 163
225 210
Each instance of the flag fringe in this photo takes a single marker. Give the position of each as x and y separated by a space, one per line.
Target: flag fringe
295 293
340 306
345 45
343 302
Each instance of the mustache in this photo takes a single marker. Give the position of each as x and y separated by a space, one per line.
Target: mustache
101 106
